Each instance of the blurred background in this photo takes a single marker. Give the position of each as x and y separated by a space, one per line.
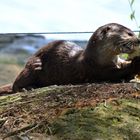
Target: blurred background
37 17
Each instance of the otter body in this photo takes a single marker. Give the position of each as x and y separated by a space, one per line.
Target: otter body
62 62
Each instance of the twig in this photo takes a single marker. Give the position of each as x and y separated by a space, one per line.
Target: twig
29 128
20 130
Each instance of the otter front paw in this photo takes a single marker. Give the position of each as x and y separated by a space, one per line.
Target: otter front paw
135 64
37 64
34 63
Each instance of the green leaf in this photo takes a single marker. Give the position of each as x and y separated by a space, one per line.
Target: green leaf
132 16
132 1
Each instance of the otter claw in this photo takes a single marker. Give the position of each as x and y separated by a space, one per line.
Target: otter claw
34 64
38 60
37 64
38 68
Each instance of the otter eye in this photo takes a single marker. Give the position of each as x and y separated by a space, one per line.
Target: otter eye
130 34
108 28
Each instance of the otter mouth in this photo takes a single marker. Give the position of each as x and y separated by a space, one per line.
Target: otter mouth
129 47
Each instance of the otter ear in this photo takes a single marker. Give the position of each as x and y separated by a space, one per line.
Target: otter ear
105 30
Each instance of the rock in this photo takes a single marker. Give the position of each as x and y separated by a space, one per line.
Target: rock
25 43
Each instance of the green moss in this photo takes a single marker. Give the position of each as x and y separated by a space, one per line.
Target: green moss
108 123
5 100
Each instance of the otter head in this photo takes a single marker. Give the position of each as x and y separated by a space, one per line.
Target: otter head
116 38
109 41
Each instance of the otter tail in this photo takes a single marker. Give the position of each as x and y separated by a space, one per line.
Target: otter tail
6 89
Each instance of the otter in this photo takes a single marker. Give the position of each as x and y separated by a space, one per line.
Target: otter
61 62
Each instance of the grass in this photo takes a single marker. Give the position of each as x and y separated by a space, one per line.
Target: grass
10 66
18 59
